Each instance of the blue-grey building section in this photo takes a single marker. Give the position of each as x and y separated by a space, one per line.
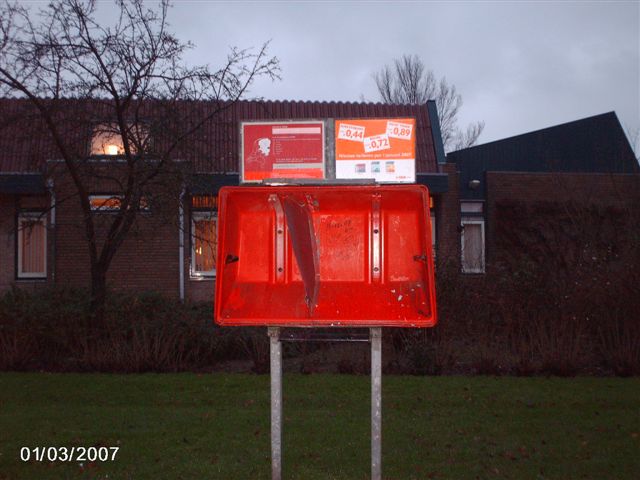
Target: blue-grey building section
595 144
22 184
210 183
434 120
435 182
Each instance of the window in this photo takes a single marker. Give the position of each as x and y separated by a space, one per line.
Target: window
204 243
201 202
112 203
105 203
472 245
471 208
32 245
107 140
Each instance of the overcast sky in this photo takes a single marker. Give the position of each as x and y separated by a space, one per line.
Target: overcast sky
519 66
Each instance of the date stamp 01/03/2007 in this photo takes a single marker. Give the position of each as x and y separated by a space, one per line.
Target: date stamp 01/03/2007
68 454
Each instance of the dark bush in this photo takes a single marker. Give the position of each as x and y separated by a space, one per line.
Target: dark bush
53 330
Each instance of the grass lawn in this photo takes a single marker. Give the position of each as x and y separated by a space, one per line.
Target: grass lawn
191 426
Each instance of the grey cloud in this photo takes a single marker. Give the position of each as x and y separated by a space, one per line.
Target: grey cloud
519 66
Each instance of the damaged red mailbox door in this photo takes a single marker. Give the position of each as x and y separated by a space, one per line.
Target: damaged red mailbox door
340 256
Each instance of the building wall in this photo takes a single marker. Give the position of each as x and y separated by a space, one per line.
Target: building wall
146 260
149 257
200 290
448 220
616 190
7 241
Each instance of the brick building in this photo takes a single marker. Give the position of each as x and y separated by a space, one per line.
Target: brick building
170 249
581 164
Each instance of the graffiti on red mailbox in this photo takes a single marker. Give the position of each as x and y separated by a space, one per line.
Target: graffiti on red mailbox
325 256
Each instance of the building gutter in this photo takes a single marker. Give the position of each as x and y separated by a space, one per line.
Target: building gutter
52 226
181 243
432 110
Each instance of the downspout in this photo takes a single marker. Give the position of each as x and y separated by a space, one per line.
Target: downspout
52 223
181 243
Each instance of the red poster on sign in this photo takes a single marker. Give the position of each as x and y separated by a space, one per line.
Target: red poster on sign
282 150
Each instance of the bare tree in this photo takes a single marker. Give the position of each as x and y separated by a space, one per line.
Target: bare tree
409 82
126 81
633 134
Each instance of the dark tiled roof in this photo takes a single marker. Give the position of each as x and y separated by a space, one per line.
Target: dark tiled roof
25 144
590 145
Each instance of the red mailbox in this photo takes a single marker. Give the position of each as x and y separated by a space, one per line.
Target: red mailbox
330 255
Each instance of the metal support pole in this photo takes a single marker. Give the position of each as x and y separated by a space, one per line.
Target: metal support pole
376 403
276 402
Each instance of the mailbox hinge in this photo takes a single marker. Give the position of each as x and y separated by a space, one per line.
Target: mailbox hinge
376 240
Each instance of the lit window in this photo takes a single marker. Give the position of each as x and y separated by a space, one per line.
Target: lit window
204 243
112 203
107 139
472 240
113 149
32 245
209 202
105 203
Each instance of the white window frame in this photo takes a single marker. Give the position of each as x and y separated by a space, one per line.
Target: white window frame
471 207
472 221
195 216
434 231
24 217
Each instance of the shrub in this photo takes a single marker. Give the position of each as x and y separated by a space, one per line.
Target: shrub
53 330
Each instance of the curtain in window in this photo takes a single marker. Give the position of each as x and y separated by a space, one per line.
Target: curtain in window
205 244
33 246
472 253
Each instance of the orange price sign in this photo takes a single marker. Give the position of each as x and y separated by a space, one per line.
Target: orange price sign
376 143
399 130
351 132
376 148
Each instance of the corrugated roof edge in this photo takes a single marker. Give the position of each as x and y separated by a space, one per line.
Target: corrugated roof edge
339 102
